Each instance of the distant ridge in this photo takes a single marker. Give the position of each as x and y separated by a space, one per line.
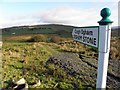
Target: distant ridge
25 26
47 29
57 29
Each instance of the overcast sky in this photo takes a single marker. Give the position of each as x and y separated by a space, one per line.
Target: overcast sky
72 12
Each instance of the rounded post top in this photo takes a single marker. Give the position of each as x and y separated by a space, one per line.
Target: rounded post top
105 13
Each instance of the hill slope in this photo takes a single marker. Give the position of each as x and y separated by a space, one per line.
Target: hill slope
47 29
38 29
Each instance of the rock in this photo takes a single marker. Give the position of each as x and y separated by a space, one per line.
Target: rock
37 84
34 84
22 60
21 81
20 85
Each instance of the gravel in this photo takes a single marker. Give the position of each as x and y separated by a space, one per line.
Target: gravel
86 67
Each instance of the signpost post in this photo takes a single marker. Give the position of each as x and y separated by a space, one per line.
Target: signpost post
98 37
104 48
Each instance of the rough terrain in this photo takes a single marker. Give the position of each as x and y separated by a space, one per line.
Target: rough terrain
86 67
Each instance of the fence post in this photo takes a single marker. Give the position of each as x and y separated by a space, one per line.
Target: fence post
104 48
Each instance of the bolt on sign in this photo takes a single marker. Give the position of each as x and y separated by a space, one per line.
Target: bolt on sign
86 35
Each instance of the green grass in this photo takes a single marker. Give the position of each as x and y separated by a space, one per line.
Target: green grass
35 56
61 30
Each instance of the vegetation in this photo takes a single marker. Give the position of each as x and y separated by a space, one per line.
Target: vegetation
26 56
34 56
39 29
38 38
115 48
57 39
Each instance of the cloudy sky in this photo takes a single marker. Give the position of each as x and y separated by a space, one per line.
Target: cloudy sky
69 12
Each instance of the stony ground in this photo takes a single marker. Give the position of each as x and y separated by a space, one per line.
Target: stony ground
86 67
63 65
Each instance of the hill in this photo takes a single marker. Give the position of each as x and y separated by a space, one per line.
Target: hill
58 66
38 29
61 30
59 63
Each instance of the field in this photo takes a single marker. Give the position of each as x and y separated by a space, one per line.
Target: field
35 56
57 61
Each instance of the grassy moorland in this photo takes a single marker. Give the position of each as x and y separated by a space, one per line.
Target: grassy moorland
27 55
35 56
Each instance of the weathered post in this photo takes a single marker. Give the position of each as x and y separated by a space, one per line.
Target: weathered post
104 48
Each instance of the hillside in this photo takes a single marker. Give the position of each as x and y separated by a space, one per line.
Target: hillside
52 57
64 65
61 30
39 29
